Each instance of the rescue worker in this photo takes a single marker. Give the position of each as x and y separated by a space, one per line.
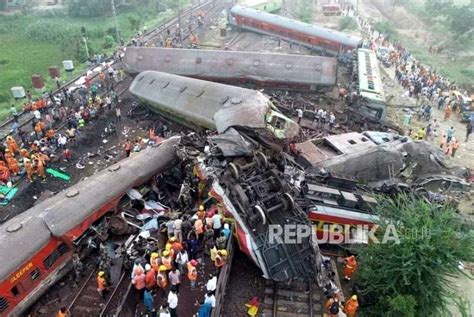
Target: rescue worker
101 284
166 259
150 277
199 228
333 306
13 166
420 135
455 146
253 306
30 171
220 260
213 253
192 272
63 312
176 246
50 133
127 147
39 128
350 265
168 42
4 172
139 281
351 305
201 214
24 153
154 261
11 144
161 279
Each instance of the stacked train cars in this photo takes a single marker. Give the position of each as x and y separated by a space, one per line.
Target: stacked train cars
283 71
311 36
37 245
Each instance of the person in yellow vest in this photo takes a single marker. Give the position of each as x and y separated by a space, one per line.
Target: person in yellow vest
161 279
101 284
166 260
213 252
253 306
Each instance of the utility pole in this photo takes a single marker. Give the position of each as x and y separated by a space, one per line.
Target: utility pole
84 38
115 20
180 28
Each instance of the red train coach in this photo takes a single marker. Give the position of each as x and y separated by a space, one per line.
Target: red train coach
311 36
36 246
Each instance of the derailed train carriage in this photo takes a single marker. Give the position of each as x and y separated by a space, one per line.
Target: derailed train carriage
203 104
308 35
37 245
269 70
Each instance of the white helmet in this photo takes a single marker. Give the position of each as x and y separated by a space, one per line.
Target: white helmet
147 267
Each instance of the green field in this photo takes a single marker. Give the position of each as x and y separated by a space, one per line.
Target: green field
21 56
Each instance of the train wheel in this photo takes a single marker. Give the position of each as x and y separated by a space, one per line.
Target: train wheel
261 159
234 171
259 211
290 202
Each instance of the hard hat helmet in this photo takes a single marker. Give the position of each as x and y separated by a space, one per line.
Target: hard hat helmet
166 253
223 252
154 255
101 273
138 270
147 267
194 262
201 208
173 239
162 268
354 297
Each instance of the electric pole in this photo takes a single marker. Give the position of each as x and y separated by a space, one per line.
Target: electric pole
116 23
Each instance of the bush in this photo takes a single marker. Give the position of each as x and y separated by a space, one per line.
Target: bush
347 23
109 42
51 31
134 21
88 8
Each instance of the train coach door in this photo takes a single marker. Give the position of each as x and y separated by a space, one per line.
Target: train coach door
316 75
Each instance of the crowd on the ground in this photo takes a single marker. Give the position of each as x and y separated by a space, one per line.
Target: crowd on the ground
427 86
56 121
192 242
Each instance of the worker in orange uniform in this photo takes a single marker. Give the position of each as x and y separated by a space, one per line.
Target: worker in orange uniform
139 281
192 272
201 214
150 277
43 158
154 261
11 144
102 284
24 153
39 127
63 312
50 133
350 265
13 166
39 167
8 155
161 278
30 171
198 228
166 259
4 172
176 246
350 307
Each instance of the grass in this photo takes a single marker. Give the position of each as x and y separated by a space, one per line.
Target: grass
22 56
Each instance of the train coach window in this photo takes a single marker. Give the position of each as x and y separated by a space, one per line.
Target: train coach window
35 274
3 304
15 291
50 259
63 248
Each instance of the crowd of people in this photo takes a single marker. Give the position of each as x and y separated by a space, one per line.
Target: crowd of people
29 153
192 242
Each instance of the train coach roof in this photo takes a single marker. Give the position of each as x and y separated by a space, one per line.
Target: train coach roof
24 235
301 69
223 106
346 39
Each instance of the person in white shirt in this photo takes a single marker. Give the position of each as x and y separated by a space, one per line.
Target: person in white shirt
37 114
300 115
332 120
164 311
177 229
181 259
216 224
211 284
210 299
173 302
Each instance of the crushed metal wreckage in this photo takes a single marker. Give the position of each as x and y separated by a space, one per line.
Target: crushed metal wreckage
381 159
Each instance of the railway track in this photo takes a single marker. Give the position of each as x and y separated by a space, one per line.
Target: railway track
300 299
24 118
87 301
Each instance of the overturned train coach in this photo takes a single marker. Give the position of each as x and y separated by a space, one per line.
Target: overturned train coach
283 71
37 245
203 104
308 35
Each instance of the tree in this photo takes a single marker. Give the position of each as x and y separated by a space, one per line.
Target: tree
411 278
461 20
438 7
88 8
